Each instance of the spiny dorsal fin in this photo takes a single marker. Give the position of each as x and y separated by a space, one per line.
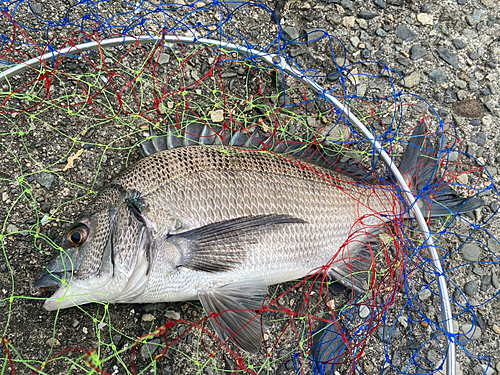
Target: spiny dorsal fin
197 133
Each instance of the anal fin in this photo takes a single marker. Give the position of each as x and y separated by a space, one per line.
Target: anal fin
233 311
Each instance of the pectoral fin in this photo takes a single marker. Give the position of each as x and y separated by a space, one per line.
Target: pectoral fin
233 311
221 246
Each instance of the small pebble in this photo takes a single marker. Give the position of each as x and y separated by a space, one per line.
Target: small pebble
470 252
459 44
163 58
347 4
425 294
12 228
487 370
45 207
167 370
53 342
489 3
470 34
479 139
291 32
471 332
172 315
364 312
46 179
494 281
432 356
417 52
494 207
405 33
487 120
447 56
403 61
217 115
367 15
453 156
424 19
477 369
437 76
150 348
403 320
493 245
412 80
470 288
368 366
478 270
485 283
470 108
349 21
148 318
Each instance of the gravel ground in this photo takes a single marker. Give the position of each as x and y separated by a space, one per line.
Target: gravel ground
448 53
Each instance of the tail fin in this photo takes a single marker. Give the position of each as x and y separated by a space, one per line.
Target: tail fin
420 168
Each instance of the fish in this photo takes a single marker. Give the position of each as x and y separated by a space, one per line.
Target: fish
198 220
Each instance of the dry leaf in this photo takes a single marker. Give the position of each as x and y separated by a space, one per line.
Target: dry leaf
72 159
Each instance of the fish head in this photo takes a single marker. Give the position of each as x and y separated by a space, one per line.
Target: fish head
103 257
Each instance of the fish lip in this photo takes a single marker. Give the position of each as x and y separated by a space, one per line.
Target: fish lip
50 281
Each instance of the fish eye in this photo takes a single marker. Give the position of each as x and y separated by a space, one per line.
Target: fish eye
78 235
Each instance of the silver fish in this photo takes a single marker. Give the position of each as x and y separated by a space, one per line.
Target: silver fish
201 222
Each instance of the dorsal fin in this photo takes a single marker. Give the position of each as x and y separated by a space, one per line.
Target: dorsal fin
199 133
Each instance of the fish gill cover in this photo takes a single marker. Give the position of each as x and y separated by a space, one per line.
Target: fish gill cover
73 121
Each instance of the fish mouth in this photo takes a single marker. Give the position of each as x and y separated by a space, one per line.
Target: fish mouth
50 281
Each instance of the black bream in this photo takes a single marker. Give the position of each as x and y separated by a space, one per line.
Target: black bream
219 225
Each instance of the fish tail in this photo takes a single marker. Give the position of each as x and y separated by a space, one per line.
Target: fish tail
421 170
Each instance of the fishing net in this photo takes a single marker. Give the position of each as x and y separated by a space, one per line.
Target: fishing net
72 121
